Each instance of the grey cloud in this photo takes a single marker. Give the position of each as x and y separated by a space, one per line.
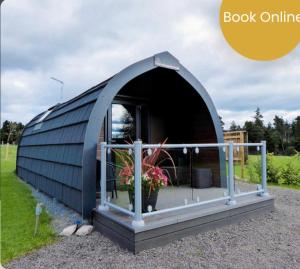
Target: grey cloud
84 42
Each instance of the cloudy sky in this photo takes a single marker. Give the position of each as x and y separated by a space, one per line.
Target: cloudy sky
85 42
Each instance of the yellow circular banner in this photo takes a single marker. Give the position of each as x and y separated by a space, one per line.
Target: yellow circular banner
261 29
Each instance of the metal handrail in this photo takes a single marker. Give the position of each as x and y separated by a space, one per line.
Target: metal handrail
185 206
146 146
138 147
119 146
121 209
168 146
209 145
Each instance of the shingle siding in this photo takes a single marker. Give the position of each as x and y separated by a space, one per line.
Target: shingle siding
73 117
65 174
67 154
50 157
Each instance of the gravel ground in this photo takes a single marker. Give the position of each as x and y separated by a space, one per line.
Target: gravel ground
265 241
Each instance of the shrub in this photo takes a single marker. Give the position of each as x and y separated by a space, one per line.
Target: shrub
273 172
254 170
290 175
290 151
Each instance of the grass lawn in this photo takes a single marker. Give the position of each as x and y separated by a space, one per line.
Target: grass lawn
279 161
18 213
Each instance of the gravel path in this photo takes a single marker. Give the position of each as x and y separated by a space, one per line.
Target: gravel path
269 241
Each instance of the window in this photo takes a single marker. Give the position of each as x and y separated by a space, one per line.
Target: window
39 122
37 126
44 115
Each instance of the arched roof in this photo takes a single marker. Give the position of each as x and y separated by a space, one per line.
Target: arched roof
58 155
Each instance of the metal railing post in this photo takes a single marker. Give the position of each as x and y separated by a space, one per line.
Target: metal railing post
264 168
230 186
103 177
138 218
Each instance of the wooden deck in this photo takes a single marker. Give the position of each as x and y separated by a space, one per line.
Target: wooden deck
164 228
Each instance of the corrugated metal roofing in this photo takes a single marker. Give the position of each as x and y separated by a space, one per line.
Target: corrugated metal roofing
50 151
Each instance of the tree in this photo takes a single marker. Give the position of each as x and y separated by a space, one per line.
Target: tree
255 129
272 139
258 119
11 132
234 127
296 133
283 130
4 131
12 126
222 122
282 137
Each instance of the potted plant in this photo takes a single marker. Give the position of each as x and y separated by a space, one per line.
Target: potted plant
153 176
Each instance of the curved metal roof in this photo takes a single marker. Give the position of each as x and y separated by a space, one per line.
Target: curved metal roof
59 156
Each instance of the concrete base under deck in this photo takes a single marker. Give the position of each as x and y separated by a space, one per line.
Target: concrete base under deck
164 228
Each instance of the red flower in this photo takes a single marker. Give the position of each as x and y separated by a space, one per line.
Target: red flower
125 173
153 176
157 175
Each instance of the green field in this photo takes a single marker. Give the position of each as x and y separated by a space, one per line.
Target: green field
278 161
18 213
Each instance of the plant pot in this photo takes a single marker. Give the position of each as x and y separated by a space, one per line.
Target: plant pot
146 199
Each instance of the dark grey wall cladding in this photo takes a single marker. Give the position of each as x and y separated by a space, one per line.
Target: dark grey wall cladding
67 154
50 157
72 134
65 194
65 174
82 101
74 116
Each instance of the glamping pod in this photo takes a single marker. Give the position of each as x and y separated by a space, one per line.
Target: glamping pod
59 148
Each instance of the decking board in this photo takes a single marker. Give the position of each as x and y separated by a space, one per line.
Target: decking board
160 230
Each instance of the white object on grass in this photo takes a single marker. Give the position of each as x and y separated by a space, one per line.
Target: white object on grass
68 231
38 212
84 230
